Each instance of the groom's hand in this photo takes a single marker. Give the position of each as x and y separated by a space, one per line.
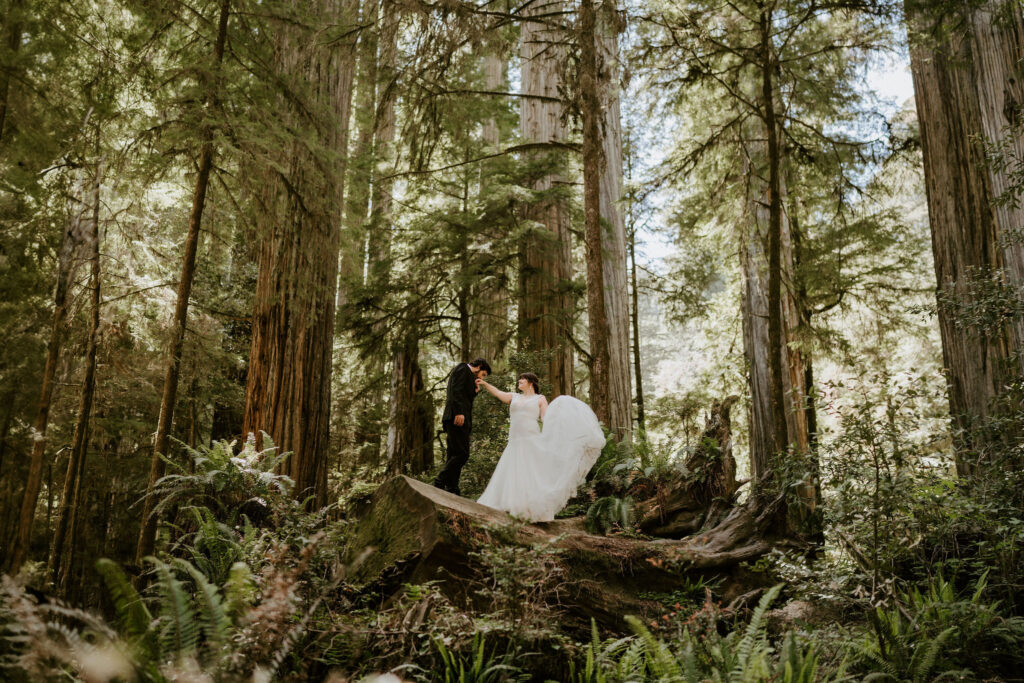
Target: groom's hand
460 420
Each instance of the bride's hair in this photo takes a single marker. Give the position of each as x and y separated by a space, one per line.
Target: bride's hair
532 379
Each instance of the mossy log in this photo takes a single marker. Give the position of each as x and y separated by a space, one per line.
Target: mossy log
703 492
414 533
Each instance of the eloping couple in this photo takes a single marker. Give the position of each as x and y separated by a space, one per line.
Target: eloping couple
539 471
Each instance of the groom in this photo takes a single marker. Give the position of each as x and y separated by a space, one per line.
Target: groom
457 421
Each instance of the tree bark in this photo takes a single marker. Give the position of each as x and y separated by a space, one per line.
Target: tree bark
755 313
289 380
545 268
967 85
67 513
775 341
637 370
359 169
613 234
74 235
593 163
147 532
12 44
379 239
410 445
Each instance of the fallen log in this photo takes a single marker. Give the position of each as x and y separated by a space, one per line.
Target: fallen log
417 533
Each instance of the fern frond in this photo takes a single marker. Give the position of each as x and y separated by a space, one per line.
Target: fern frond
134 617
179 634
215 622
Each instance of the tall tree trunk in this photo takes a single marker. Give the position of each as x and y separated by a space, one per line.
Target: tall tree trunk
593 162
359 169
545 273
410 445
12 45
637 370
968 85
489 305
613 236
755 315
384 144
74 235
147 532
289 382
67 513
775 340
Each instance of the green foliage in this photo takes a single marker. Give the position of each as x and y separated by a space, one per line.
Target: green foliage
933 631
475 666
609 514
519 582
696 656
230 485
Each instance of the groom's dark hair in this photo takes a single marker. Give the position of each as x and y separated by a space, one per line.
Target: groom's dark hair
481 364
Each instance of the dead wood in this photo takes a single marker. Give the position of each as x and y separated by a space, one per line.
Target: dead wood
419 533
702 493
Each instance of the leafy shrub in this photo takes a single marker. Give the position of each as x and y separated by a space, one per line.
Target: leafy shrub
701 655
608 514
924 634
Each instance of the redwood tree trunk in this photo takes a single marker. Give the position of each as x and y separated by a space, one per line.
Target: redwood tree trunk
68 512
593 161
755 313
74 235
775 340
289 380
967 84
410 445
545 272
12 44
147 532
613 234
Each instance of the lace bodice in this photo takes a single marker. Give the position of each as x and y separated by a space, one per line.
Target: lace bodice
524 411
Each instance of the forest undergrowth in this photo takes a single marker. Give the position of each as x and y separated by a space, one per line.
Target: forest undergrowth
917 580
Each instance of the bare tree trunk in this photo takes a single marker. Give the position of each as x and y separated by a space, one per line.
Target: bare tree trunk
410 445
289 381
967 85
71 495
593 162
384 147
147 532
640 417
359 169
74 235
775 341
613 237
13 22
545 272
755 315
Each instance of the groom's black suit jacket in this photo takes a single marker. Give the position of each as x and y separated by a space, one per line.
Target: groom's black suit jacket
459 399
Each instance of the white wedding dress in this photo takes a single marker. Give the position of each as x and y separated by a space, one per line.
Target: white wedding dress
539 471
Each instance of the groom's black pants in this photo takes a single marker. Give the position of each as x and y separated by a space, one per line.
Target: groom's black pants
458 454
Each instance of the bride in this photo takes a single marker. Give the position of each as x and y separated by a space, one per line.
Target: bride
539 471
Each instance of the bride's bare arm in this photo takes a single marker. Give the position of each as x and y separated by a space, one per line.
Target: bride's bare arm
543 406
503 396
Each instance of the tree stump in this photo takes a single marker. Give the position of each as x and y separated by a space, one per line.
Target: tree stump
703 491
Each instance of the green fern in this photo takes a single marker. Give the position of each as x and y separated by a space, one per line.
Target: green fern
214 619
608 513
134 617
179 634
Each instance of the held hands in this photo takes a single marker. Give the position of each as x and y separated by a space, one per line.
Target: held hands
460 420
